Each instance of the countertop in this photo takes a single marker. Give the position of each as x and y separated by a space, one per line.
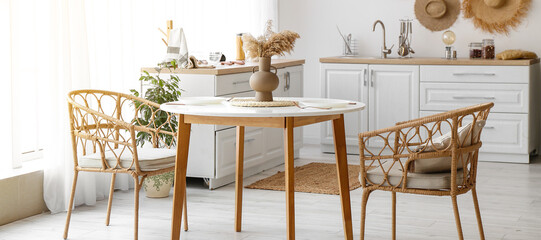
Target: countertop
429 61
224 69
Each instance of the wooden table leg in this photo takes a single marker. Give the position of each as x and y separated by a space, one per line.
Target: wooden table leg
239 178
342 168
181 163
290 178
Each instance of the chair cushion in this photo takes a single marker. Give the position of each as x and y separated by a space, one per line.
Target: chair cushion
443 164
150 159
415 180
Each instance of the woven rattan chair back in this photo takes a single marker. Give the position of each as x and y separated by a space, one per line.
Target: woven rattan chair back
412 140
110 122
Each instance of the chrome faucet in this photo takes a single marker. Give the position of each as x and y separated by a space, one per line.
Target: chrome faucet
384 50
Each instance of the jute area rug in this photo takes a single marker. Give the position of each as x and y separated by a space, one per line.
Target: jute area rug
311 178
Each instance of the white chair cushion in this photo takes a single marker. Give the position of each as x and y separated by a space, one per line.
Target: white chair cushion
415 180
443 164
150 159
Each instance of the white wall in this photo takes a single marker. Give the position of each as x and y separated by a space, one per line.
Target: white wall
316 20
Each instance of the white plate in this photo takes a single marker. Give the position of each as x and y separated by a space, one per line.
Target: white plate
324 103
200 100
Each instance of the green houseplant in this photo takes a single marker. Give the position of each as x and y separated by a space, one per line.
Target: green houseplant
159 91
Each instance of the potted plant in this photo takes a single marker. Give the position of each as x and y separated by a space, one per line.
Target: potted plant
158 186
159 91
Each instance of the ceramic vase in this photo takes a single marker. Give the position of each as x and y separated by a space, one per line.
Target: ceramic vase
263 82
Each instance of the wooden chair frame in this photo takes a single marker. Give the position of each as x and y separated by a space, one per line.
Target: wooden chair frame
97 125
401 145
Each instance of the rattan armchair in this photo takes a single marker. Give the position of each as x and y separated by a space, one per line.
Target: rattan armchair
407 146
104 128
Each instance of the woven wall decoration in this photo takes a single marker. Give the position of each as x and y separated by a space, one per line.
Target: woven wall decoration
496 16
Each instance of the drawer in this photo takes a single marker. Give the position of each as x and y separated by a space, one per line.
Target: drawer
507 98
226 143
475 74
503 133
232 83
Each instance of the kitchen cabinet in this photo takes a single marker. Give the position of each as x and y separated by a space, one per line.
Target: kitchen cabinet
391 93
393 96
212 147
511 133
403 89
348 82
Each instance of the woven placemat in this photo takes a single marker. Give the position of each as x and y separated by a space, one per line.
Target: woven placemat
311 178
251 102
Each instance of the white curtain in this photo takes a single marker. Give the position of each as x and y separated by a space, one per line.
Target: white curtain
5 90
55 46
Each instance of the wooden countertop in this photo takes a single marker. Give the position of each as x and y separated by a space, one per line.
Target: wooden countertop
224 69
428 61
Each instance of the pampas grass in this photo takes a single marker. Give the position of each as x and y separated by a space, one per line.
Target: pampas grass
270 43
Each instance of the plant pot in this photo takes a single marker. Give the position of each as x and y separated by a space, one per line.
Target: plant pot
263 82
158 186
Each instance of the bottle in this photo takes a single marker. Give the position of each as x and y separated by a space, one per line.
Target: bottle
488 49
240 51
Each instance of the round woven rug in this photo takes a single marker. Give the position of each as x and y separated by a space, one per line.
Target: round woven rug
251 102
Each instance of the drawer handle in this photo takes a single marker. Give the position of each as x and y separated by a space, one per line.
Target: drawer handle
241 82
372 77
365 78
245 141
473 97
288 81
474 74
489 127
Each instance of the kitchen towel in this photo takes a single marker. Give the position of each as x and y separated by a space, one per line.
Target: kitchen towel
177 48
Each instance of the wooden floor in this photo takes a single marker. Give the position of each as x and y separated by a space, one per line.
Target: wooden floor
509 197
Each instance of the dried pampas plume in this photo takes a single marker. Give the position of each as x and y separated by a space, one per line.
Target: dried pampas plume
270 43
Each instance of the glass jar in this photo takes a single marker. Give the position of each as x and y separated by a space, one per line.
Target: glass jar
476 50
488 49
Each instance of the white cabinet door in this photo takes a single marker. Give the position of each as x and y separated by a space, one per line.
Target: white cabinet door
393 96
290 82
293 81
349 82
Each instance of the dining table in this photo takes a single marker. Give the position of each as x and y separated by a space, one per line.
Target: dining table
304 112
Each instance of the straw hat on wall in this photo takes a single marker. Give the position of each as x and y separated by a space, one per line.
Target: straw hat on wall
496 16
437 15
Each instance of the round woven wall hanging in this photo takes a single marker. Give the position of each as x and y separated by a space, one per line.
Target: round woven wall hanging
496 16
437 15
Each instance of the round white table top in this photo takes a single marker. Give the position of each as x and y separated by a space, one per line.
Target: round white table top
224 108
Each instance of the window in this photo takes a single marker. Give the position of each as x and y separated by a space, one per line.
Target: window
27 73
53 46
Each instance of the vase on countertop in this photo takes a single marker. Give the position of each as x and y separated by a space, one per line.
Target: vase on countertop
263 82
